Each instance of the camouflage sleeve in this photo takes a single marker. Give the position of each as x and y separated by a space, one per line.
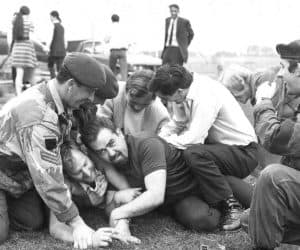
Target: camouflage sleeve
41 151
277 136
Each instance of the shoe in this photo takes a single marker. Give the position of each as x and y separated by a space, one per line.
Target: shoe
233 215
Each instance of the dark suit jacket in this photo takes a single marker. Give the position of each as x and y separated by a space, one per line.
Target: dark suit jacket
184 35
57 47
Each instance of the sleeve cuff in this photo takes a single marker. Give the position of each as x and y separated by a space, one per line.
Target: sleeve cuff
68 215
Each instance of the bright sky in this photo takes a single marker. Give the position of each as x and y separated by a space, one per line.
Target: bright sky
230 25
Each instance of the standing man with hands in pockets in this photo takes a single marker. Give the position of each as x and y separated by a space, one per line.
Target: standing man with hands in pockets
178 36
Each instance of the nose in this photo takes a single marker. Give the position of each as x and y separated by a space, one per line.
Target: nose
111 153
92 96
280 73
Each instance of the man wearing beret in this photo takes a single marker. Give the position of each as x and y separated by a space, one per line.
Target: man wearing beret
32 128
274 213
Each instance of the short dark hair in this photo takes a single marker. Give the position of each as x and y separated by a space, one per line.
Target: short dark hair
24 10
174 5
115 18
169 78
90 132
137 84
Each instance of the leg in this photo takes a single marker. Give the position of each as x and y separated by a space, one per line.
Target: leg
59 61
26 212
51 66
113 61
172 55
194 213
123 65
4 221
210 163
19 80
30 76
274 213
242 190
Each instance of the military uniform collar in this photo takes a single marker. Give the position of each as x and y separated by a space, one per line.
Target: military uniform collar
56 97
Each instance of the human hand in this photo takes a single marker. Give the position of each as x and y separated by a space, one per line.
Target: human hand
127 195
82 234
124 234
127 239
265 90
103 236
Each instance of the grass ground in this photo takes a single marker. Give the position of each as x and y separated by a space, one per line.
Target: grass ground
155 230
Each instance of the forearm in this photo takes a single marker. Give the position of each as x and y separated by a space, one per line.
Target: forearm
143 204
275 135
115 178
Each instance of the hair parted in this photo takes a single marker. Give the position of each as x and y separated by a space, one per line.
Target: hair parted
137 84
169 78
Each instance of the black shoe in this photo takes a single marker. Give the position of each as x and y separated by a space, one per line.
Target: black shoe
233 214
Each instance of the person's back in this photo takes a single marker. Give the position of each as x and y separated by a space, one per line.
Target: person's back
231 126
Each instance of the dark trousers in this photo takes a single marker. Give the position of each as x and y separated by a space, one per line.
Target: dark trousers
172 55
23 213
210 163
54 61
275 207
118 55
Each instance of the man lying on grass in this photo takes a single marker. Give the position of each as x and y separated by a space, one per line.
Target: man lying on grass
156 166
88 187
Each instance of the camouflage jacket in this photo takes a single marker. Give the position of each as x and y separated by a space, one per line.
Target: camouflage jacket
32 128
278 128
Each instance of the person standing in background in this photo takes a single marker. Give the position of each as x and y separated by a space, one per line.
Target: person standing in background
23 53
178 36
57 45
118 47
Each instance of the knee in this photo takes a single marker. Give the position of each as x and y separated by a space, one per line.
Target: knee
272 174
195 214
193 154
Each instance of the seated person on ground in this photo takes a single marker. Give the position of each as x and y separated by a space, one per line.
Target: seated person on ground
243 84
158 167
88 187
135 109
274 213
219 141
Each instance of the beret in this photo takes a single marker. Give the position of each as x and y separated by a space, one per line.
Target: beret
289 51
110 89
85 70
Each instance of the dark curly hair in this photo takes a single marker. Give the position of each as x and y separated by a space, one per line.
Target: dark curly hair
91 130
169 78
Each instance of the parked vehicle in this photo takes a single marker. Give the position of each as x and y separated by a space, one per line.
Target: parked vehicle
136 61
